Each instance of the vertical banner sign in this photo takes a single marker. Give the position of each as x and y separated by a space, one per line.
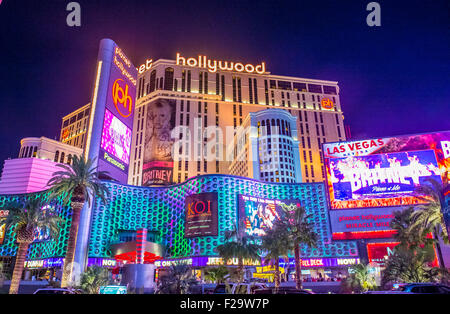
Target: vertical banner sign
158 160
108 140
201 215
114 113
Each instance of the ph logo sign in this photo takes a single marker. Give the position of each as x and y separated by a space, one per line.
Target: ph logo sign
121 99
327 103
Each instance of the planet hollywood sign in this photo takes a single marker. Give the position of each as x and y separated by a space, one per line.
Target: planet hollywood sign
212 65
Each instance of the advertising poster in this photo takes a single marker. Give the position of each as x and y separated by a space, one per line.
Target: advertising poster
256 215
201 213
158 159
384 171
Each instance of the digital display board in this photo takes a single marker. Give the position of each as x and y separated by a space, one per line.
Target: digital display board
349 224
201 215
384 172
158 160
256 215
116 138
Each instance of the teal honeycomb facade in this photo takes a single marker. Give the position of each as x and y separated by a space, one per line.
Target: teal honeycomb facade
43 249
162 209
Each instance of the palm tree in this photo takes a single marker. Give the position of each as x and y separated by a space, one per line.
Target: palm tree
240 247
25 219
410 266
178 279
93 278
409 234
276 243
76 184
361 280
431 215
217 274
301 231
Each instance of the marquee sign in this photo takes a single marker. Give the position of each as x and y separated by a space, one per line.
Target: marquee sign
214 65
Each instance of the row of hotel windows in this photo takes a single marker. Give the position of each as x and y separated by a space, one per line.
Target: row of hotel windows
28 151
169 83
31 151
77 117
61 157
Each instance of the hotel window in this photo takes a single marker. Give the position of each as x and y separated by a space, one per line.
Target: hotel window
206 83
250 90
266 92
217 84
331 90
217 108
223 87
301 87
61 159
284 85
239 89
152 80
234 88
200 82
255 90
189 81
183 80
313 88
273 84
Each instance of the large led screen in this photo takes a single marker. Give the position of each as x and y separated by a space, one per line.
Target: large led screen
158 160
116 140
385 171
257 215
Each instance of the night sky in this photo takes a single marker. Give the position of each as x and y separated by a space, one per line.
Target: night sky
394 79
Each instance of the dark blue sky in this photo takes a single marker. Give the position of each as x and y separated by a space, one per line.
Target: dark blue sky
394 79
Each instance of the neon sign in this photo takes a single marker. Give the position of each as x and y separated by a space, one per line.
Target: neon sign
120 96
327 103
214 65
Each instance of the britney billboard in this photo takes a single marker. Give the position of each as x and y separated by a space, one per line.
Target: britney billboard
385 171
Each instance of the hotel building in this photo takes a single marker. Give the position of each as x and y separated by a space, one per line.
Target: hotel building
267 147
74 127
225 98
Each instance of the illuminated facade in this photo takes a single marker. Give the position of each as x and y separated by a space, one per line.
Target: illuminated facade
200 98
163 212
